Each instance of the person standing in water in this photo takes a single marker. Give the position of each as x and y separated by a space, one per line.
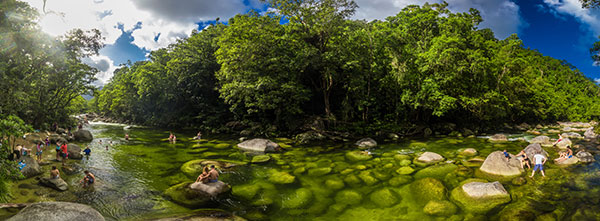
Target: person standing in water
88 179
87 152
38 153
539 164
64 153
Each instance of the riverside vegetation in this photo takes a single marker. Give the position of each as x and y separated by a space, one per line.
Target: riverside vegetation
424 71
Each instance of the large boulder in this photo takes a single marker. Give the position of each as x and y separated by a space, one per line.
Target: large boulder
366 143
590 134
428 189
564 143
32 168
259 145
74 151
429 158
497 165
572 135
33 138
83 136
55 138
568 161
585 157
533 149
479 197
58 183
310 136
50 211
498 138
540 140
197 196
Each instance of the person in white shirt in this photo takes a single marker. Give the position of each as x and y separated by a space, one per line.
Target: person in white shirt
539 164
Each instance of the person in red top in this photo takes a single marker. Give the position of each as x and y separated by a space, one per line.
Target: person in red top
64 153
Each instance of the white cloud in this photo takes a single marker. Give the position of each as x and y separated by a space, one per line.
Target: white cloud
105 66
597 80
502 16
165 21
573 7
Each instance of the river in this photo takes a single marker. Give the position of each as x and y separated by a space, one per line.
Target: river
133 175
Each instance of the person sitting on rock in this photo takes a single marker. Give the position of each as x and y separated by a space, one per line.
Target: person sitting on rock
198 136
565 155
506 155
213 174
88 179
54 173
560 138
524 159
204 176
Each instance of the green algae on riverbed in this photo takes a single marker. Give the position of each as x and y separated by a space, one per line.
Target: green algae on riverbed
322 181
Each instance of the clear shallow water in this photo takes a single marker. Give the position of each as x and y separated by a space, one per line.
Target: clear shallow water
132 175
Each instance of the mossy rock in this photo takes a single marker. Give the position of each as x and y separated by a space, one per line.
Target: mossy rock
405 163
440 208
436 171
380 175
400 180
222 146
477 205
366 177
279 177
301 198
348 197
401 157
182 194
352 180
319 171
405 170
428 189
319 206
299 171
238 156
263 201
358 156
193 168
261 159
334 184
384 197
246 192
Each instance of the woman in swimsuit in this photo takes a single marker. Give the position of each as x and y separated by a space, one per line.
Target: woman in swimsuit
524 159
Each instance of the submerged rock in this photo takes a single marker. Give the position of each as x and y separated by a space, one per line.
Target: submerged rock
366 143
195 195
440 208
202 215
334 184
57 211
428 189
540 140
32 168
479 197
358 155
436 171
405 170
58 183
260 159
259 145
468 152
384 197
429 158
348 197
280 177
319 171
590 134
497 165
301 198
83 135
585 157
498 138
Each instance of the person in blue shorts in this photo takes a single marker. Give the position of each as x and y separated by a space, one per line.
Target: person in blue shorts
565 155
213 174
506 155
539 164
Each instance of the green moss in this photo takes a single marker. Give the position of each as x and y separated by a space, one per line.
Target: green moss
479 206
401 157
405 163
400 180
319 206
384 197
299 199
405 170
185 196
222 146
436 171
427 189
358 156
265 201
279 177
348 197
299 171
319 171
261 159
440 208
366 177
381 175
334 184
247 191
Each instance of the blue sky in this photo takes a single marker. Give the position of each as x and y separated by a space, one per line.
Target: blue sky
556 28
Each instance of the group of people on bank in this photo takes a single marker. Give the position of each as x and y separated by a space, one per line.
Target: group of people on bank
539 158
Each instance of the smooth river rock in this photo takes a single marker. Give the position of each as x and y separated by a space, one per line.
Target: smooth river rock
567 162
429 158
58 183
194 195
585 157
74 151
57 211
564 143
259 145
590 134
540 140
572 135
498 138
480 197
496 164
366 143
32 168
83 135
533 149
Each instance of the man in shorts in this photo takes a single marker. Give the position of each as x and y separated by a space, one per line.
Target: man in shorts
539 164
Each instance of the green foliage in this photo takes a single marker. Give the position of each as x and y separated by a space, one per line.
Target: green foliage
425 65
11 127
